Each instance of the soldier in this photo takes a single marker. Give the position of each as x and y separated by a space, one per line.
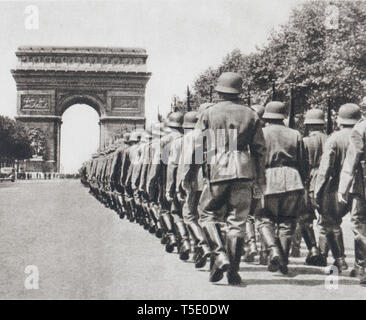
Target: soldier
148 201
313 146
127 168
351 186
250 245
189 187
156 182
330 210
285 174
141 214
116 186
175 152
234 171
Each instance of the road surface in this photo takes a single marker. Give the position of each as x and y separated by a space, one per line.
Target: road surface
82 250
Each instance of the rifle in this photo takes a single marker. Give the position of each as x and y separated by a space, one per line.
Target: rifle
188 100
329 117
291 119
273 90
249 102
211 92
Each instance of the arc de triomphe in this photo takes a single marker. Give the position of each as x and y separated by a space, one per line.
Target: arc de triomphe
51 79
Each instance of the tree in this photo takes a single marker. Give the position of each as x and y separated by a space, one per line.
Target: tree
322 63
14 141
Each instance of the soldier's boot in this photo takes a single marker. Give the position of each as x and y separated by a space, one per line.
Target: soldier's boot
220 262
147 221
268 237
132 207
170 233
324 250
152 220
263 252
342 261
121 211
185 246
358 270
335 247
251 245
296 242
313 258
284 243
234 251
202 252
159 227
164 231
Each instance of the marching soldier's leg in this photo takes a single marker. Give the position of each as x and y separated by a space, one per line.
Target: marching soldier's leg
296 242
168 223
358 218
210 203
334 238
250 239
290 205
263 253
323 247
185 246
265 220
313 257
240 200
190 214
286 228
156 216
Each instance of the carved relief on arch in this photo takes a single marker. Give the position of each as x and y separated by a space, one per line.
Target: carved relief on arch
66 100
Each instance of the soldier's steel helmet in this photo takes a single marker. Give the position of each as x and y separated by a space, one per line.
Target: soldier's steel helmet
190 120
314 116
126 136
229 82
135 136
349 114
275 110
259 109
146 136
175 120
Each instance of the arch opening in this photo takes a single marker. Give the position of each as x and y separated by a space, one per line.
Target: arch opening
80 136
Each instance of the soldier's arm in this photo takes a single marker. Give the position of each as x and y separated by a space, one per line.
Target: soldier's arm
355 150
326 167
302 159
173 161
258 150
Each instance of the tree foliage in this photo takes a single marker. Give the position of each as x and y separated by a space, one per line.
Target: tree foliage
14 140
322 63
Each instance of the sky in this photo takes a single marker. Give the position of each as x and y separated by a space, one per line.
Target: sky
182 37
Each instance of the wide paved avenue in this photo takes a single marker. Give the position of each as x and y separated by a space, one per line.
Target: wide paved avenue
82 250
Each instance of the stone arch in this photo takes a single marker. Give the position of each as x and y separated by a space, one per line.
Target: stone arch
49 80
87 99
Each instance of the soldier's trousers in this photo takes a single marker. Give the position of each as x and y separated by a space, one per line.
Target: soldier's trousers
358 218
281 211
190 206
236 196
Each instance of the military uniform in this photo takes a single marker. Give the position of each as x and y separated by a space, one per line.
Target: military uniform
156 182
352 188
313 147
285 174
189 184
237 163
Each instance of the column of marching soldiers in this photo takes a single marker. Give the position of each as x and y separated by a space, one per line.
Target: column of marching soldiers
260 189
